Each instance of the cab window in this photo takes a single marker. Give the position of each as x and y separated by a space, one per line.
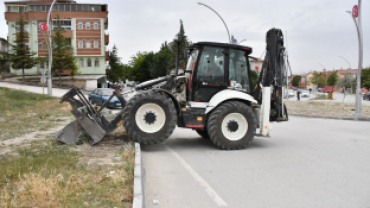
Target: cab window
211 66
238 71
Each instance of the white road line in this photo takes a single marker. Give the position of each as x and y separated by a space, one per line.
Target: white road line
212 193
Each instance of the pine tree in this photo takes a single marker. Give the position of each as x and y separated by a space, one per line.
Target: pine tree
19 55
115 69
183 40
63 58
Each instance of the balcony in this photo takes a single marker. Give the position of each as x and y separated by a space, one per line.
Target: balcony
106 55
106 39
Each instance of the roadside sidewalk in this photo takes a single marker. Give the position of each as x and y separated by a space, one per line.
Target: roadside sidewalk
56 92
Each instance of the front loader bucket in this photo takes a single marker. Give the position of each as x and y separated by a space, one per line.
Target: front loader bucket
88 119
70 133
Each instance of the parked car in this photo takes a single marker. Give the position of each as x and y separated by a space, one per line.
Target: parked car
100 95
289 94
305 94
366 96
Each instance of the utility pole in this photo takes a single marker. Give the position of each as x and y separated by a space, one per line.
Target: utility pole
356 13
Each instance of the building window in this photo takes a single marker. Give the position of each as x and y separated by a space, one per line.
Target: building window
81 63
96 44
80 25
96 26
26 27
62 24
80 44
88 62
96 62
88 44
40 45
87 25
42 65
23 9
303 80
68 42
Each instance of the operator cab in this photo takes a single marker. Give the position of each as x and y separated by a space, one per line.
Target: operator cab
213 67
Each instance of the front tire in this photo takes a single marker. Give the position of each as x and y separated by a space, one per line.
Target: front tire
149 118
232 125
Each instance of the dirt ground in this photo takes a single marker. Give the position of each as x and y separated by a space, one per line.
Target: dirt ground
100 154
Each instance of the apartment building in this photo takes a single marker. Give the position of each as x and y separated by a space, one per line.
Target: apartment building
85 25
3 50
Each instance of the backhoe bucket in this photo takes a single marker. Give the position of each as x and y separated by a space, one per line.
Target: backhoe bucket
88 120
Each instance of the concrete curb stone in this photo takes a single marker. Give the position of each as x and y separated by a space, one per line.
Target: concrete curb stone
138 180
331 117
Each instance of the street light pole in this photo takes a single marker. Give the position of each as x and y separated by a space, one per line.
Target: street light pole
227 29
242 41
356 13
350 73
50 93
326 73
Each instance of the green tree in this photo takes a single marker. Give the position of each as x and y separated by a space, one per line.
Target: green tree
365 78
63 58
345 82
160 62
116 71
141 63
254 76
183 40
295 81
19 54
318 79
332 78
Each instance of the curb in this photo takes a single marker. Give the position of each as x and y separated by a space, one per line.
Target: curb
331 117
138 180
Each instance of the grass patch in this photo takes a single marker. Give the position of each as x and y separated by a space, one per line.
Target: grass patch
325 108
43 174
23 112
320 97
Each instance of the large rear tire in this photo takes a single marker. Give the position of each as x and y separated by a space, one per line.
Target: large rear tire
149 118
232 125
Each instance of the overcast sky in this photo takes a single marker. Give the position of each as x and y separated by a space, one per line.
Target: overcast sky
317 31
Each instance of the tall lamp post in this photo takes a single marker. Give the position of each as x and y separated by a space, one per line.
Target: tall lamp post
50 93
326 73
356 13
227 29
350 72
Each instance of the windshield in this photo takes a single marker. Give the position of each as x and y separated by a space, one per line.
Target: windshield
211 66
238 71
107 92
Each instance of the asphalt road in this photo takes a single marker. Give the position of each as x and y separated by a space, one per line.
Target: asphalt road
305 163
